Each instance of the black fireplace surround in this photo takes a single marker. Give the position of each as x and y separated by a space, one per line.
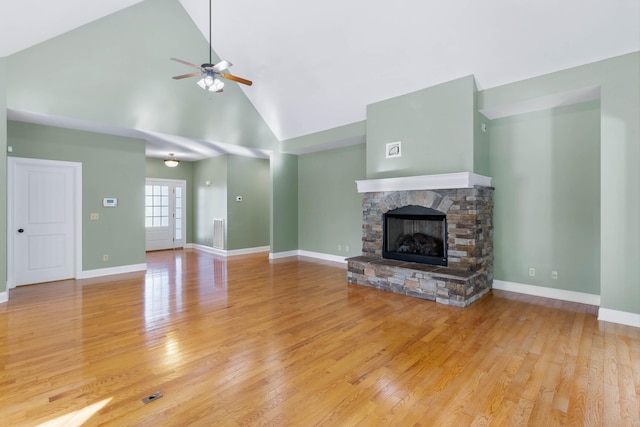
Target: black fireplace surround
415 234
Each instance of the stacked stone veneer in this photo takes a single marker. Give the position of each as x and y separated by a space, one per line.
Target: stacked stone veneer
469 274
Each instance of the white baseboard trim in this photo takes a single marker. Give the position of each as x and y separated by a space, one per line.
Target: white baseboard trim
325 257
246 251
309 254
90 274
278 255
541 291
621 317
234 252
4 296
208 249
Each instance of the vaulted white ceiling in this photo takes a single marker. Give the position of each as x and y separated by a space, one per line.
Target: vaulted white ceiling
316 65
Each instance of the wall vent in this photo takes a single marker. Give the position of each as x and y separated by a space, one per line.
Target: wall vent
218 233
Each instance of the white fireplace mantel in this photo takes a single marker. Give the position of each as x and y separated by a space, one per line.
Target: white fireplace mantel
424 182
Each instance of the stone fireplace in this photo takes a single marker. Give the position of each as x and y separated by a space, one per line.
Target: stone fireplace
428 236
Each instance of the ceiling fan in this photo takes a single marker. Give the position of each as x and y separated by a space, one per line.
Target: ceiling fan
210 72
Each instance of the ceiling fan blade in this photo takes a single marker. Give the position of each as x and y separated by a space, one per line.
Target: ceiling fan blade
184 76
236 79
221 66
185 63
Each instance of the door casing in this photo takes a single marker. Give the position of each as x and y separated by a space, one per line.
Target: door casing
12 195
172 184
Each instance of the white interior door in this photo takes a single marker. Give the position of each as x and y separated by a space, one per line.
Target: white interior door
42 220
165 218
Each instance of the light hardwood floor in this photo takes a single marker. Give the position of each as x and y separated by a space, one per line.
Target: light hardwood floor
247 342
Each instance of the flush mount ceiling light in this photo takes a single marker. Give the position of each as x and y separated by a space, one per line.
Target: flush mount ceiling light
209 73
171 162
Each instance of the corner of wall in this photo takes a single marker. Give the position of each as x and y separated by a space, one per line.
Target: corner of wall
3 177
284 202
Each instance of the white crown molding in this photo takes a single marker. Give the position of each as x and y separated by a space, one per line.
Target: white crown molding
90 274
424 182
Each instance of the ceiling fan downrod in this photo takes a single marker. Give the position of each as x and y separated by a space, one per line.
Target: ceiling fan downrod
209 72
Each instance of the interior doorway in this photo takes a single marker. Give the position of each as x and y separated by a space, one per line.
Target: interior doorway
165 213
44 220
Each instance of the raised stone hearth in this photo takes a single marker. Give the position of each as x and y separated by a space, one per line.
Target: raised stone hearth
467 201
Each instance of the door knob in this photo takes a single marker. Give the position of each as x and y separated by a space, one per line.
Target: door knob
21 230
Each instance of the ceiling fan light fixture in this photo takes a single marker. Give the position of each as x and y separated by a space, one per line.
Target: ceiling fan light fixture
208 80
210 83
202 84
171 162
217 85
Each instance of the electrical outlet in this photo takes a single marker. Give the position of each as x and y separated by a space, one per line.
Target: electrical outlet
532 271
554 275
105 257
95 217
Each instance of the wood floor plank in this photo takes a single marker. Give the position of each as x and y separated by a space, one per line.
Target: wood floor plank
248 342
594 405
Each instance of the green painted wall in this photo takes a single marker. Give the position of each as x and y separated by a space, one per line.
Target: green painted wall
248 221
435 126
481 146
546 171
619 160
329 206
620 184
284 203
128 84
351 134
155 168
210 200
3 175
116 70
111 167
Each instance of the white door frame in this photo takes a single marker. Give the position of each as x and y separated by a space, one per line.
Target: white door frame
12 162
183 183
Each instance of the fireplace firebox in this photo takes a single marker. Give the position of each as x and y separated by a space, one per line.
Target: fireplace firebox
415 234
